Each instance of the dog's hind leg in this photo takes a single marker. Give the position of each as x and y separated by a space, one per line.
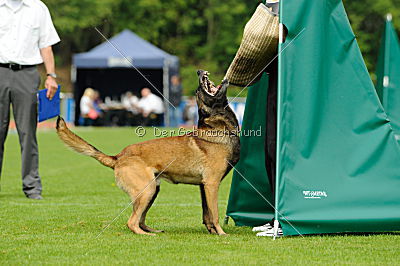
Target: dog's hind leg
143 218
142 200
139 182
206 215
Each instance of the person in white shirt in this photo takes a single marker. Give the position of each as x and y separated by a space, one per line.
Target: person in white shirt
152 108
133 115
27 34
130 102
87 107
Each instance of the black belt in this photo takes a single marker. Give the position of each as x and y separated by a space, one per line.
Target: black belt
16 67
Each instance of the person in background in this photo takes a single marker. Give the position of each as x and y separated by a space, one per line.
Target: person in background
27 35
175 95
190 112
151 107
88 110
98 102
100 107
130 103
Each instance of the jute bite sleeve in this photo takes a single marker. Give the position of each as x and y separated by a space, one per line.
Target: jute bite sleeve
258 47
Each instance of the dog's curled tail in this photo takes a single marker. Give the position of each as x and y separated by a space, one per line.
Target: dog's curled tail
79 145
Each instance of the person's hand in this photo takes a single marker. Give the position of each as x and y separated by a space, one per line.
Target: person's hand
51 86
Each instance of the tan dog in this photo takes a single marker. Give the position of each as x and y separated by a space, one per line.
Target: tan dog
202 158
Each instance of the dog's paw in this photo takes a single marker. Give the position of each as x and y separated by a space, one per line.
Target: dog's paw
149 229
211 229
139 231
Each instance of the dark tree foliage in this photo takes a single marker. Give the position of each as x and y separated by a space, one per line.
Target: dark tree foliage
204 34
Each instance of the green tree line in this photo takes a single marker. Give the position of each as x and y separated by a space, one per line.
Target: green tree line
203 34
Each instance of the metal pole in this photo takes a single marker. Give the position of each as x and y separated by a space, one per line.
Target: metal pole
279 114
166 91
73 81
386 78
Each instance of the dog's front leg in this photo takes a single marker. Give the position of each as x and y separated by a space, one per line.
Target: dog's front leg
206 215
211 193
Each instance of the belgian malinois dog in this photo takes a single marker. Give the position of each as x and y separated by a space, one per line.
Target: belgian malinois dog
203 157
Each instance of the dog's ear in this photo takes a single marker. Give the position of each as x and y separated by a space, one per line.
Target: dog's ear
200 72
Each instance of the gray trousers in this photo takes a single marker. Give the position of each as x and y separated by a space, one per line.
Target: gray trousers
19 88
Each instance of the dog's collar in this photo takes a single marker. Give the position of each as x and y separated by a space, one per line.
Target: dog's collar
210 133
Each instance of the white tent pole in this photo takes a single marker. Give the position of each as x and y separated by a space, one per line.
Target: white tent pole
73 81
166 91
73 74
386 81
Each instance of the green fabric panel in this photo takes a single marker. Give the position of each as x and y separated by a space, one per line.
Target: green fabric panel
336 142
245 205
389 66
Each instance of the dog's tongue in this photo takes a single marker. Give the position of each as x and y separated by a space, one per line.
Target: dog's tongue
214 90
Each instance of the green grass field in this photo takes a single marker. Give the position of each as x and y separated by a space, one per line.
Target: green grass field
81 198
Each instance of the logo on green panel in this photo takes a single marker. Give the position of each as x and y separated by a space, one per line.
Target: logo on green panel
314 194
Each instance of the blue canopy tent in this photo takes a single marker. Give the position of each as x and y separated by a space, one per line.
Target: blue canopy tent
109 68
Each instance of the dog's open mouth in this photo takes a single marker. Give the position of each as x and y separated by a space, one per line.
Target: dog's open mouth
208 85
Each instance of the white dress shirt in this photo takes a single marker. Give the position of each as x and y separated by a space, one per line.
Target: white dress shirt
24 30
130 103
151 104
14 3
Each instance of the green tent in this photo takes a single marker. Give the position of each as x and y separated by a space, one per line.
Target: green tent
338 160
388 74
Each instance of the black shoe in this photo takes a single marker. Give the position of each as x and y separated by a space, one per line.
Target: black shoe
35 196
